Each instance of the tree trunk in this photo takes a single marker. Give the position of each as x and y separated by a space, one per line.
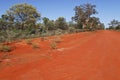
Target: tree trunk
84 25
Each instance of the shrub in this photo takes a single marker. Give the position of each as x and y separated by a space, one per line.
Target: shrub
2 38
58 32
35 45
29 41
71 29
57 39
5 48
53 45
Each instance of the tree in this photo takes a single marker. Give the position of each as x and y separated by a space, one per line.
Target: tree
51 25
93 22
117 27
113 24
101 26
61 23
45 21
71 24
83 13
23 14
3 22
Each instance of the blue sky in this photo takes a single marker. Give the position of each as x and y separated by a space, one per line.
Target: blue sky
107 9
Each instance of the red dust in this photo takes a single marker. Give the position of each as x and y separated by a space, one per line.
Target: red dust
80 56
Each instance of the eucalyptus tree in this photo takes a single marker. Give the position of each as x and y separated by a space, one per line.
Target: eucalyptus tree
61 23
113 24
83 13
93 22
51 25
23 14
4 22
101 26
45 21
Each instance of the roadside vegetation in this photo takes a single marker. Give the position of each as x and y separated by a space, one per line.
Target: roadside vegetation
5 48
114 25
23 21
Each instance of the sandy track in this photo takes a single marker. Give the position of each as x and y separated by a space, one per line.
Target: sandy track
84 56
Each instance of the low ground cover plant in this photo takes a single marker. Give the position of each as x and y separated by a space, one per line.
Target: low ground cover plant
5 48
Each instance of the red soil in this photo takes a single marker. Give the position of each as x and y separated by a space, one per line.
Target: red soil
81 56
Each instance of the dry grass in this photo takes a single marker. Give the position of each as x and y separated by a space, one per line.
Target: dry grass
5 48
35 45
57 39
29 41
43 38
53 45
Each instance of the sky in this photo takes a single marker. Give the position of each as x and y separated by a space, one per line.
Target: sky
107 9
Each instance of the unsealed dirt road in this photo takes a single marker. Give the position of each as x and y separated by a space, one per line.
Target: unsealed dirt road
81 56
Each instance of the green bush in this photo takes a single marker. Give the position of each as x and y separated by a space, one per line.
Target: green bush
71 29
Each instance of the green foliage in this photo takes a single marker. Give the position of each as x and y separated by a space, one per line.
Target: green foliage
21 21
45 20
61 23
114 24
51 25
117 27
83 13
79 25
24 15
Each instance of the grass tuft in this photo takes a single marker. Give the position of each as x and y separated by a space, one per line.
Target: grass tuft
5 48
35 45
53 45
29 41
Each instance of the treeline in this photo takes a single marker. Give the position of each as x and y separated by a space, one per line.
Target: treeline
114 25
24 21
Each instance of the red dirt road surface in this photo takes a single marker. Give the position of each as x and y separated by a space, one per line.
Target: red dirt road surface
80 56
